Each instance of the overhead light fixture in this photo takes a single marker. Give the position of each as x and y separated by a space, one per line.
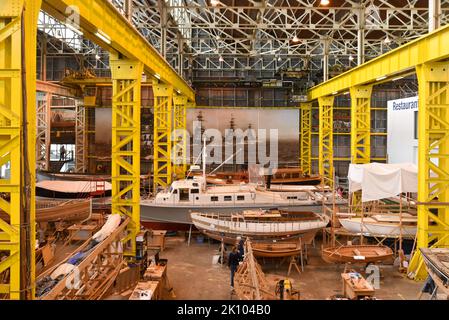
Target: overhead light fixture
351 58
157 76
221 59
178 91
279 58
74 29
217 37
347 92
97 57
214 2
398 78
103 36
324 2
295 38
334 93
381 78
387 40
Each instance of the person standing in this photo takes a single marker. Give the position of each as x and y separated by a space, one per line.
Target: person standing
241 248
62 153
233 263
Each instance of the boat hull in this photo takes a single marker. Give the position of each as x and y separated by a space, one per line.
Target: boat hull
181 214
388 230
346 254
276 250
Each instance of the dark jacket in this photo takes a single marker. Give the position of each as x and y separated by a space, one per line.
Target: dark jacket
234 258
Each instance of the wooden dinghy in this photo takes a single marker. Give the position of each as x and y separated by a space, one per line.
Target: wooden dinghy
357 254
260 225
276 249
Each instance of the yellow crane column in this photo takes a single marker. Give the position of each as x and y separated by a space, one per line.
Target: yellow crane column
433 162
163 113
125 173
306 138
360 133
326 140
361 124
180 136
18 26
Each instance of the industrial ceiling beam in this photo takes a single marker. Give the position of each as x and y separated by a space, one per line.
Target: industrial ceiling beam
117 35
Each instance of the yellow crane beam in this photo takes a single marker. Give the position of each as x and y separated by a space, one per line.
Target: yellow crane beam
433 162
163 114
180 136
361 124
306 138
125 173
326 140
18 26
429 48
102 23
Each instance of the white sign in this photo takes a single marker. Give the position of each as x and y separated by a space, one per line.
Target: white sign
402 142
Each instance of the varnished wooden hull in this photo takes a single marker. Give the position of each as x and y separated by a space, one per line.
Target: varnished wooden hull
276 250
346 254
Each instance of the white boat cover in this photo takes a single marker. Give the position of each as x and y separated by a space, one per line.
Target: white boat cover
379 180
67 186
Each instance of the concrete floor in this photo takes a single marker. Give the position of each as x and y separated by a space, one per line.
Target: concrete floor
193 276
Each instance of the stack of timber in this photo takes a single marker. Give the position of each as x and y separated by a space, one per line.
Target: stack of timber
249 281
90 271
437 265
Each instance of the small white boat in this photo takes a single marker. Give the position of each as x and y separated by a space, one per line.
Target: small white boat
387 225
260 225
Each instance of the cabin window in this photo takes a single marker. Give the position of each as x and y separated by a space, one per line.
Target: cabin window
292 198
195 191
214 198
240 198
184 194
195 184
227 198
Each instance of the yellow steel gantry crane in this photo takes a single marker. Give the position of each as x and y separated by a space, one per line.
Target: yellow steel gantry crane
131 55
427 56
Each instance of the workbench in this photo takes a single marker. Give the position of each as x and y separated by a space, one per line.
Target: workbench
355 286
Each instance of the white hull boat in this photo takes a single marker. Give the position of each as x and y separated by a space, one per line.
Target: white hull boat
386 225
260 225
191 195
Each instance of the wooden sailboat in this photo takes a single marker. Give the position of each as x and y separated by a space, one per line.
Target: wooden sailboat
357 254
260 225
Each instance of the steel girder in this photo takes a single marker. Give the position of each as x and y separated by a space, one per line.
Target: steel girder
163 114
43 116
361 124
306 138
433 162
126 105
240 31
81 143
179 136
326 140
18 21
